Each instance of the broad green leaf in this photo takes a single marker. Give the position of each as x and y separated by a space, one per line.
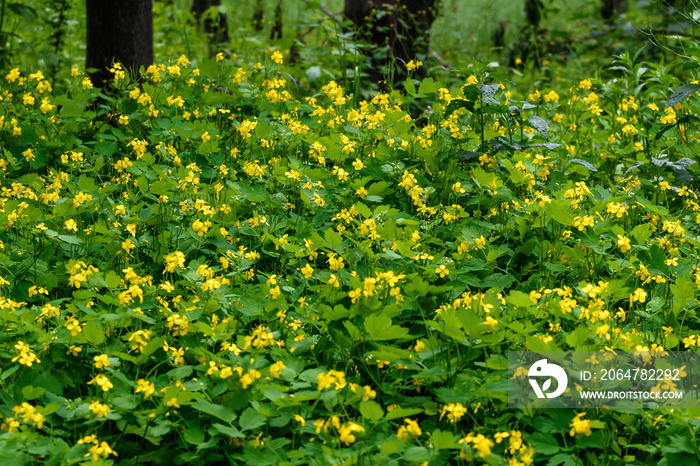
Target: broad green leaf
444 440
218 411
560 211
380 327
371 410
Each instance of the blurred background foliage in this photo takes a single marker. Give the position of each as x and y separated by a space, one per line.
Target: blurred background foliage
525 38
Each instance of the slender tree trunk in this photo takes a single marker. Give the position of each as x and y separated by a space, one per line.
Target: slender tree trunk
610 8
400 27
216 27
118 31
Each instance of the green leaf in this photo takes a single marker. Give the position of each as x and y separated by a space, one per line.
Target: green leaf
380 327
409 86
444 440
32 393
456 104
428 86
333 238
539 124
641 233
577 338
70 239
218 411
402 412
251 419
518 298
682 291
682 93
229 431
371 410
546 444
94 333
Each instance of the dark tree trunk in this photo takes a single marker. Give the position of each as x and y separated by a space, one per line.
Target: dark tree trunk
118 31
216 28
610 8
400 27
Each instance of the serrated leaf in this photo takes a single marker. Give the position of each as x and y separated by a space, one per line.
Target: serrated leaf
428 86
585 164
466 156
634 166
518 298
499 143
487 90
682 163
456 104
380 327
682 93
371 410
443 440
251 419
539 124
548 145
682 291
409 86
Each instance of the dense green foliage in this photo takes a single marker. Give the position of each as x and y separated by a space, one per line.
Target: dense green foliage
215 266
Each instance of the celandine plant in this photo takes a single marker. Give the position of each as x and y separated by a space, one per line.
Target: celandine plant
203 269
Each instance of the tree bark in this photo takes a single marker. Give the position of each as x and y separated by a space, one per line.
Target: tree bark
217 28
118 31
610 8
400 27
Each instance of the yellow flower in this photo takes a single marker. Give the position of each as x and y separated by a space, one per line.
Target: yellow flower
146 387
414 65
172 403
174 260
334 281
585 84
277 57
332 378
369 393
580 426
442 271
480 442
26 355
99 409
639 295
73 326
46 105
276 369
71 225
307 270
101 361
102 381
201 228
412 427
219 56
300 420
623 243
454 412
103 450
345 432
